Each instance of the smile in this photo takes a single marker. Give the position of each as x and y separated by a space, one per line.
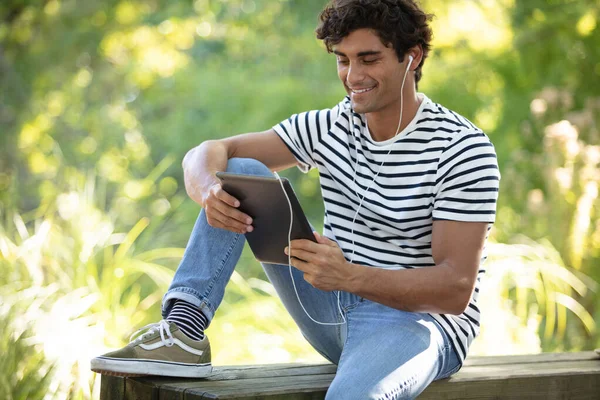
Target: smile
360 91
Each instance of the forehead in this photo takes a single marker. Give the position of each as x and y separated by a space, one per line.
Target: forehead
360 41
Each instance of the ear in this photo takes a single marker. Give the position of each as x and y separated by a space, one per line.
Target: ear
417 53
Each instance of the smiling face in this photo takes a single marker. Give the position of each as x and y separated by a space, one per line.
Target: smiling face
370 72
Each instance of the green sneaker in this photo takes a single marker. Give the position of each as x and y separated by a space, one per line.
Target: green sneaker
158 349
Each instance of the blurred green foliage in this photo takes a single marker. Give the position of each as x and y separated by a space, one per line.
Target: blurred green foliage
99 101
34 375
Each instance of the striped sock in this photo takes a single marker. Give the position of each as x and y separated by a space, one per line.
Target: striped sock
189 319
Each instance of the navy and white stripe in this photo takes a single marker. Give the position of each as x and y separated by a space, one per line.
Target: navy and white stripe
440 167
189 319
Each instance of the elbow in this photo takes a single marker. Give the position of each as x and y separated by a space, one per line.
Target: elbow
194 151
462 296
459 307
204 145
189 156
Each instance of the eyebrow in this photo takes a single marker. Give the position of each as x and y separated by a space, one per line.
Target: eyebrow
360 54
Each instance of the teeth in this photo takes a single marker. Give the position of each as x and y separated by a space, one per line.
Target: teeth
362 90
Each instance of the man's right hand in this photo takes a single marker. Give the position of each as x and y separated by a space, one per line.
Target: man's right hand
204 188
201 163
222 211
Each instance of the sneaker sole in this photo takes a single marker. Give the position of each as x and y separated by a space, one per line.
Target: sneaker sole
132 368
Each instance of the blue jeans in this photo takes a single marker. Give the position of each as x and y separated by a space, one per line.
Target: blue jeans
381 352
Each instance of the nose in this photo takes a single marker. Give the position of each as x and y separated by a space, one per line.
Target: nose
355 75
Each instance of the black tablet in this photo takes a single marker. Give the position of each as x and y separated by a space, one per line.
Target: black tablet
262 198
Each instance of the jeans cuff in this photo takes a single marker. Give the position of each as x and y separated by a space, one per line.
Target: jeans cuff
190 296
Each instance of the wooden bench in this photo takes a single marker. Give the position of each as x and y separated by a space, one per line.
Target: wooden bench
540 376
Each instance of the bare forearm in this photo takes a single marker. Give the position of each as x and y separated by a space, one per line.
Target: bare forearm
431 289
200 165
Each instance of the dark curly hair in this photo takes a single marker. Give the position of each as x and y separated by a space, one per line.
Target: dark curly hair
400 23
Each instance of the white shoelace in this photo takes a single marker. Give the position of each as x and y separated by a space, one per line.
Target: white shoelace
162 327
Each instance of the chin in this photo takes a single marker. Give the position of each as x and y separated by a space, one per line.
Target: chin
357 108
361 108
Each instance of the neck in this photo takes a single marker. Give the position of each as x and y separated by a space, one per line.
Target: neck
383 125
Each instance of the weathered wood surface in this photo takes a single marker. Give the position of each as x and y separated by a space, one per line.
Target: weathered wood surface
542 376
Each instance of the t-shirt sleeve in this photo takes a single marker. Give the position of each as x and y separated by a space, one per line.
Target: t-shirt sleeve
467 180
301 133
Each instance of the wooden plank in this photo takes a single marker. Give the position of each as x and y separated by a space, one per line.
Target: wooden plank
181 393
572 387
265 371
289 396
302 387
543 376
249 372
140 389
487 372
531 358
171 393
281 370
112 388
254 385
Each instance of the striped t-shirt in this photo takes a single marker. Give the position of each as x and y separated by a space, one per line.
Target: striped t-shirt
441 167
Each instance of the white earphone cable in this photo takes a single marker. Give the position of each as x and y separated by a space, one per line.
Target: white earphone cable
290 265
355 215
382 162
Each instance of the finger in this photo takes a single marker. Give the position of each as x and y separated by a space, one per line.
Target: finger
304 244
228 211
228 204
324 240
309 279
227 223
301 265
301 254
218 191
219 224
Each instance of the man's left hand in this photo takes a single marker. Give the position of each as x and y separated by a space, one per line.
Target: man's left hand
323 263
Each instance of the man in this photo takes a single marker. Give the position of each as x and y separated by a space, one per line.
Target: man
389 291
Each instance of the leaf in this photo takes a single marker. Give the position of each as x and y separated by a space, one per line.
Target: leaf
157 254
577 309
130 238
161 275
